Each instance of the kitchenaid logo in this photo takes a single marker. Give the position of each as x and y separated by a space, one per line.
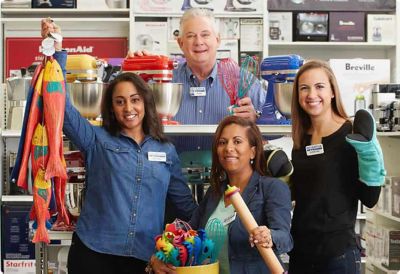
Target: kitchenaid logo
80 49
360 67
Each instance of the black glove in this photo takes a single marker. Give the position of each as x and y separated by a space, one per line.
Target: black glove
278 164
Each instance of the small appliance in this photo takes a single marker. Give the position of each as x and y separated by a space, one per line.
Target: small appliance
231 8
196 166
384 106
310 26
274 30
17 91
279 71
187 5
157 70
396 116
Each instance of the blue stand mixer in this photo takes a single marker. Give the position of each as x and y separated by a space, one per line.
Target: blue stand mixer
279 71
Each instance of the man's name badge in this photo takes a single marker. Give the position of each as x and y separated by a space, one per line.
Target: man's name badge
197 91
314 149
229 219
157 156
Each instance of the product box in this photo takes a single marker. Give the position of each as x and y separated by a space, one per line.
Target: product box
53 4
229 48
347 26
251 34
16 4
15 244
381 28
159 6
151 36
102 4
242 7
357 77
280 27
310 26
19 266
229 28
101 47
391 248
396 197
173 28
332 5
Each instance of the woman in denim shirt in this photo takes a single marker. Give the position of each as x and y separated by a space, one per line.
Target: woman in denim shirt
131 168
238 159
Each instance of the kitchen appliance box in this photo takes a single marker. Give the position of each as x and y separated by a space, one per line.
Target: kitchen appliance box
381 28
347 26
54 4
15 243
395 183
310 26
280 27
332 5
357 77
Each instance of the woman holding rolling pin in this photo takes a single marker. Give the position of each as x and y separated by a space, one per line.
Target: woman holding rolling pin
238 160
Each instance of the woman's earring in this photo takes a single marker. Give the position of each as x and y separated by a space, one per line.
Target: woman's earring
251 161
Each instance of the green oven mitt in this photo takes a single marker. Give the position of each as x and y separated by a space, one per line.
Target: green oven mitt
278 164
370 158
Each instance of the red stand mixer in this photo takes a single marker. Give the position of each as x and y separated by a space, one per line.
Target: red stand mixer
157 71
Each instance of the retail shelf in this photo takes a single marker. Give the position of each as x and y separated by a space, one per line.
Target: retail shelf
63 11
336 45
386 215
16 198
217 15
60 235
210 129
10 133
378 265
389 134
70 19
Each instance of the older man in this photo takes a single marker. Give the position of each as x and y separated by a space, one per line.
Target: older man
204 99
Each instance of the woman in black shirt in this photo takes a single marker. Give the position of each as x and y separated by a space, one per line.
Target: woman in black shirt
325 181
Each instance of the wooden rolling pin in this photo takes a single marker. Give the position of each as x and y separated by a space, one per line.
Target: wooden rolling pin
249 223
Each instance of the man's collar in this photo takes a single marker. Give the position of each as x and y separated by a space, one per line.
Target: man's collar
211 77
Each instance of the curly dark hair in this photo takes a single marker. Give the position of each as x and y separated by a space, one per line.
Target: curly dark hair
151 121
254 136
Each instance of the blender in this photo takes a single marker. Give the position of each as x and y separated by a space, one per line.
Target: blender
157 71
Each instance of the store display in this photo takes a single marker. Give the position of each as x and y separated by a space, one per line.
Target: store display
310 26
204 4
151 36
381 28
332 5
15 4
358 76
229 28
280 72
384 106
347 26
280 27
51 4
252 35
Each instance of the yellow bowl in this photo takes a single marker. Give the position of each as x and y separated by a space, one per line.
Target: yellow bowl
199 269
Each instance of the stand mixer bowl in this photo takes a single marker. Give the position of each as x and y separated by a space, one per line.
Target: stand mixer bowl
86 97
168 97
283 98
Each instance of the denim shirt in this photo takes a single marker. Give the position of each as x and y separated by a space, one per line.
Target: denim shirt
125 192
268 200
206 110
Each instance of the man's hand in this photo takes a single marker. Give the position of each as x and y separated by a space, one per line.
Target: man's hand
245 109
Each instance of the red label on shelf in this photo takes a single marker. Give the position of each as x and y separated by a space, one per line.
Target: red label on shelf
22 52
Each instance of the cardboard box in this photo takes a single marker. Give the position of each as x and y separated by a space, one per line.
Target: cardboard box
357 77
280 27
391 253
53 4
229 28
396 197
251 34
332 5
15 232
151 36
347 26
310 26
146 6
381 28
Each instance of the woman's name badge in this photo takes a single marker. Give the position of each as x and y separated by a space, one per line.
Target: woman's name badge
197 91
314 149
157 156
229 219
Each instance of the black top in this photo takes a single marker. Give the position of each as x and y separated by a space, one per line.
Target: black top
326 191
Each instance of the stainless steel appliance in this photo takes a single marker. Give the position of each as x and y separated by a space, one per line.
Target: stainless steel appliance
17 91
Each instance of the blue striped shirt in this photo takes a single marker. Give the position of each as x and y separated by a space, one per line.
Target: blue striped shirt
209 109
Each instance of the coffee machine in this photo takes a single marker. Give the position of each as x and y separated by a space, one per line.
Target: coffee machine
385 106
17 91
